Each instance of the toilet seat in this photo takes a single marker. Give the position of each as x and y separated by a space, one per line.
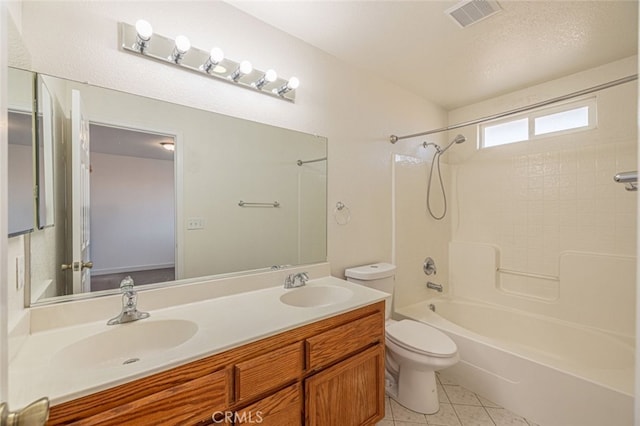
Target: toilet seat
421 338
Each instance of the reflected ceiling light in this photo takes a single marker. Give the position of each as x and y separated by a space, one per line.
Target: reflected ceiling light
243 69
169 146
144 31
290 85
269 77
180 49
215 57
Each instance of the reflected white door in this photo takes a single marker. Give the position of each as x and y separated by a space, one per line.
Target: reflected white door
80 175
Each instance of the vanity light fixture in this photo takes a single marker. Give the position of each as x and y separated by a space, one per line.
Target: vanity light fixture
140 39
144 31
180 49
290 85
169 146
215 57
269 77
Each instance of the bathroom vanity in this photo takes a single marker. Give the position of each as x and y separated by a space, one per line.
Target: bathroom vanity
327 372
312 355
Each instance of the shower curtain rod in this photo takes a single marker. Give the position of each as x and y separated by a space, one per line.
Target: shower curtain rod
394 138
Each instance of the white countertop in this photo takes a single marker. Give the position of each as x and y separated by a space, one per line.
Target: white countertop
223 323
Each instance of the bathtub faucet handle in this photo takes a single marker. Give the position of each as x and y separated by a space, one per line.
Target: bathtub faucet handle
429 266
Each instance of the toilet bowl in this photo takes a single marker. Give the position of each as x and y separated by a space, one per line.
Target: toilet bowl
414 351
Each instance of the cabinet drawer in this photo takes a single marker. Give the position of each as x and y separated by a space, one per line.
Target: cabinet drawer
184 404
283 408
268 371
342 341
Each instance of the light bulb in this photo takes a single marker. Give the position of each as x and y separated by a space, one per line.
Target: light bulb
246 67
290 85
143 35
182 44
293 83
216 55
144 29
269 77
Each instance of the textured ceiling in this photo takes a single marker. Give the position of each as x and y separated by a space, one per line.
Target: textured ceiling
417 46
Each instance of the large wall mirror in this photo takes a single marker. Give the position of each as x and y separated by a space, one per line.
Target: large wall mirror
164 192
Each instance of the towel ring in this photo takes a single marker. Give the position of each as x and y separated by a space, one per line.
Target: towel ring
341 213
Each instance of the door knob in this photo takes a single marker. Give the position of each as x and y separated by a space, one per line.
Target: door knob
65 266
87 265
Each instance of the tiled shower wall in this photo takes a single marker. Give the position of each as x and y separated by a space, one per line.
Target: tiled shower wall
548 206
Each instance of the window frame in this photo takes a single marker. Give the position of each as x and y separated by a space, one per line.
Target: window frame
590 102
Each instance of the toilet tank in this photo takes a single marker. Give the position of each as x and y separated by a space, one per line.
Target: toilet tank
379 276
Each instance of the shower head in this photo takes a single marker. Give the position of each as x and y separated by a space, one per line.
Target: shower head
458 139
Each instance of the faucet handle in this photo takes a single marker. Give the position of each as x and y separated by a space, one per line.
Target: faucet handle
126 284
304 276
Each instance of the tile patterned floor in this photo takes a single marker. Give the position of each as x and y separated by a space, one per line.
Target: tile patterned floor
458 407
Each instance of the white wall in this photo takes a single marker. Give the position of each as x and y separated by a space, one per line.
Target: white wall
354 110
550 208
127 235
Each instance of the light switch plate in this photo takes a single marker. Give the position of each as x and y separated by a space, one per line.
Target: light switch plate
195 223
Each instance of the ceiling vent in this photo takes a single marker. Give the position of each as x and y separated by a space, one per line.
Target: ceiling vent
469 12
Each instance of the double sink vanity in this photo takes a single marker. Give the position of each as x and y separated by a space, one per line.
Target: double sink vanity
240 350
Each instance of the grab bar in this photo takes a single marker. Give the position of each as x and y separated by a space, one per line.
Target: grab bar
300 162
630 179
246 204
528 274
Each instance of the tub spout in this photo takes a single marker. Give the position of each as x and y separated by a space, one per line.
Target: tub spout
434 286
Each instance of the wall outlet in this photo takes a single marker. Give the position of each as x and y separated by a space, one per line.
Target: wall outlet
19 272
195 223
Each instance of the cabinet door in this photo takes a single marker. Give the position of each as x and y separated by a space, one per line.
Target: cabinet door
350 393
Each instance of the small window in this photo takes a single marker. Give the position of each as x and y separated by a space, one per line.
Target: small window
566 118
508 132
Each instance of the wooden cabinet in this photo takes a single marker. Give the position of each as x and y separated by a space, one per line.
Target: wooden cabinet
330 372
341 395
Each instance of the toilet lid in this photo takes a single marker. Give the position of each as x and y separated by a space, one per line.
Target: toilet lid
422 338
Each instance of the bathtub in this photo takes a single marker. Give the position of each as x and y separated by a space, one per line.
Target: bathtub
553 372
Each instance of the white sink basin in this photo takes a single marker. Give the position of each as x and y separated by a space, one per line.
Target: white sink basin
315 296
125 344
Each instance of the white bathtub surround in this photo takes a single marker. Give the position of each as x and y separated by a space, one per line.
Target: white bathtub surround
554 372
227 320
590 289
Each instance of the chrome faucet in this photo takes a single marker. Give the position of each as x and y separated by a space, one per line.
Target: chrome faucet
130 310
434 286
296 280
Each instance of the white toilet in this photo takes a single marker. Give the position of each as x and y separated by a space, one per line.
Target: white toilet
415 351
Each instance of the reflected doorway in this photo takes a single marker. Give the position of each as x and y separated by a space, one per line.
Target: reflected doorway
132 205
